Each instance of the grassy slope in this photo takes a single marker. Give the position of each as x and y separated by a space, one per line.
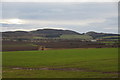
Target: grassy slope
104 59
87 37
76 36
109 37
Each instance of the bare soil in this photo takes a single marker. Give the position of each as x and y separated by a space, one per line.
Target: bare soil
64 69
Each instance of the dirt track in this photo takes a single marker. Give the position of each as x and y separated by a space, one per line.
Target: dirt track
64 69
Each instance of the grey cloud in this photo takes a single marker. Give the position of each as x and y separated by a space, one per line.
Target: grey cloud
63 11
57 10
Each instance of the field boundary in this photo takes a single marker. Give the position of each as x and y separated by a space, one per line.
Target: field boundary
64 69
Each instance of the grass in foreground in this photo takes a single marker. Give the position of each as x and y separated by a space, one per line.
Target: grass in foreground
93 63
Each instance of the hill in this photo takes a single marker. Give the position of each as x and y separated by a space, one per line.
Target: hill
45 34
57 34
54 31
96 35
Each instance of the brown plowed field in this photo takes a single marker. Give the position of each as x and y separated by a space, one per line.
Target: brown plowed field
27 46
17 46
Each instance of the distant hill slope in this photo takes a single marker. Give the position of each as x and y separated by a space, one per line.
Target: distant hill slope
41 32
54 31
57 34
96 35
83 37
46 33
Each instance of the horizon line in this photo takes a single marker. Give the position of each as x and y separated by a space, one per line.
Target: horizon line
57 29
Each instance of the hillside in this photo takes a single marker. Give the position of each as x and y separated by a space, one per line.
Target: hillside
40 32
54 31
96 35
57 34
45 34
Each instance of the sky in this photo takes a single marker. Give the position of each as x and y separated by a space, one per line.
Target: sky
76 16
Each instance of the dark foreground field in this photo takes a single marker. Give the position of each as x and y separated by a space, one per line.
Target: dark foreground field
69 63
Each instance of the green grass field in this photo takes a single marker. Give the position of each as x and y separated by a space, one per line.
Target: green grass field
67 63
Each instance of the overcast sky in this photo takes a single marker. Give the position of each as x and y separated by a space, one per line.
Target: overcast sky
80 17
